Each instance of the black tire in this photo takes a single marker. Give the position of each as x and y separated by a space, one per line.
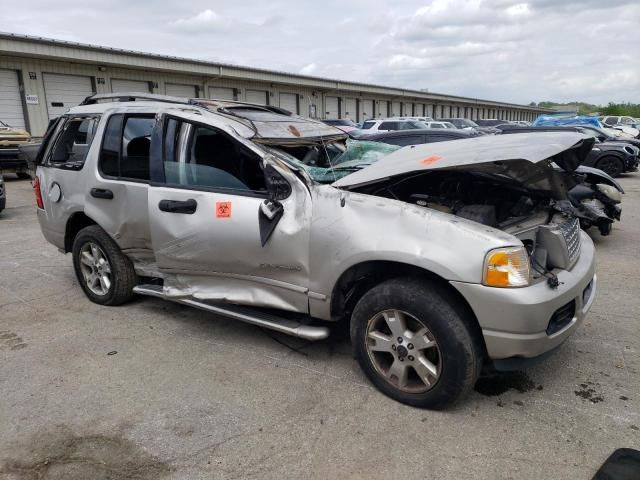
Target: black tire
460 348
605 228
123 275
611 165
23 175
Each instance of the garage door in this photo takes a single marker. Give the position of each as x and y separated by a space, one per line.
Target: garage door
395 109
429 111
221 93
139 86
65 91
419 110
10 101
382 109
332 109
367 109
407 109
289 101
178 90
351 109
257 96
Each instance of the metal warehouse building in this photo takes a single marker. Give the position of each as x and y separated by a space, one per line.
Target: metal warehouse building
42 78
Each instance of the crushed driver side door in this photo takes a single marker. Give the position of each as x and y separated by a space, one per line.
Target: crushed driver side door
208 200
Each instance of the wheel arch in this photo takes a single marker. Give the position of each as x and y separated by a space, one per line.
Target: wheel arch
76 222
361 277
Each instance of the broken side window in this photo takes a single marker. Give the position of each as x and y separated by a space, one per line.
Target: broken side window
199 156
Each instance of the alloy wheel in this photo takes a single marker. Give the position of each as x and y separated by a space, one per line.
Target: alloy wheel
95 268
403 351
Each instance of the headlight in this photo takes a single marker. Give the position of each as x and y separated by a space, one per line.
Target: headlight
506 267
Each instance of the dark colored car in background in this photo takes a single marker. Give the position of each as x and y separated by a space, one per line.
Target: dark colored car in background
492 122
612 157
604 136
418 137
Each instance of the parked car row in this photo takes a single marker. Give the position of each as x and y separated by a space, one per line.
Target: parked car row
287 223
614 125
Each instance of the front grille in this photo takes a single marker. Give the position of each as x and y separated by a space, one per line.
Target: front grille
561 317
571 233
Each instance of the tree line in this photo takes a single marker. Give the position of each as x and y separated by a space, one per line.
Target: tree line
630 109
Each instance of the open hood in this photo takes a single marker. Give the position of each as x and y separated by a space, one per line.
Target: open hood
524 157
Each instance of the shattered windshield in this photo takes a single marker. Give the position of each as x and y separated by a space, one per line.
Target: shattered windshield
342 161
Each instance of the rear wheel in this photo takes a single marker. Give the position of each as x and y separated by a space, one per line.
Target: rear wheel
105 274
611 165
415 343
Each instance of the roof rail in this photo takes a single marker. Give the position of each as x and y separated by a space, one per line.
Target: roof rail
132 97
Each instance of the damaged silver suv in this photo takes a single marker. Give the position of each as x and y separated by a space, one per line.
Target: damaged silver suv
442 257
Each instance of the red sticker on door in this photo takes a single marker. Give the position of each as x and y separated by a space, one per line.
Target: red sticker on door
431 159
223 209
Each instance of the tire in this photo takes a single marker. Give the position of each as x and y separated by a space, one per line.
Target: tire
611 165
457 355
23 175
94 241
605 228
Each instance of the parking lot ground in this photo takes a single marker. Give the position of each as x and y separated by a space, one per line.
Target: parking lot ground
156 390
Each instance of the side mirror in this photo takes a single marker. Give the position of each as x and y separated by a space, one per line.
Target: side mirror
269 215
271 208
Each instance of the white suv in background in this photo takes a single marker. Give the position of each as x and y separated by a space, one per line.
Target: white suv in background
391 125
625 124
418 119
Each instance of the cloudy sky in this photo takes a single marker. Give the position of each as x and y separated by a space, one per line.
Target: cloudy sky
510 50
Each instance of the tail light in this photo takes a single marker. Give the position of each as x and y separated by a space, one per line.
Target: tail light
36 190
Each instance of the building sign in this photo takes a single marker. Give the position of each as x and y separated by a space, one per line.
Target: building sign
32 99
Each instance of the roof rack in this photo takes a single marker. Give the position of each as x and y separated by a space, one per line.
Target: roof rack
133 96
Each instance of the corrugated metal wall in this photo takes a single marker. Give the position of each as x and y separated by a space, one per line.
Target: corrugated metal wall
310 98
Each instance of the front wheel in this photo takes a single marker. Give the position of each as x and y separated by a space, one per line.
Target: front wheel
105 274
415 343
611 165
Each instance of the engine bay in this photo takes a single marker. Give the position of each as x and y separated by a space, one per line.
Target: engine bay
484 198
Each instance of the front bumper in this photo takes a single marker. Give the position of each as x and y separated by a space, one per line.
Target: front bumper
515 321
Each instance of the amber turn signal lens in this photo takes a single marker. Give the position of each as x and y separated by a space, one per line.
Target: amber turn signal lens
506 267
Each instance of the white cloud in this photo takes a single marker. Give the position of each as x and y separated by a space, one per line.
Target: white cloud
202 21
309 69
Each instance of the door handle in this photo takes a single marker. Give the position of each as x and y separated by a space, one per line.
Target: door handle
101 193
178 206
